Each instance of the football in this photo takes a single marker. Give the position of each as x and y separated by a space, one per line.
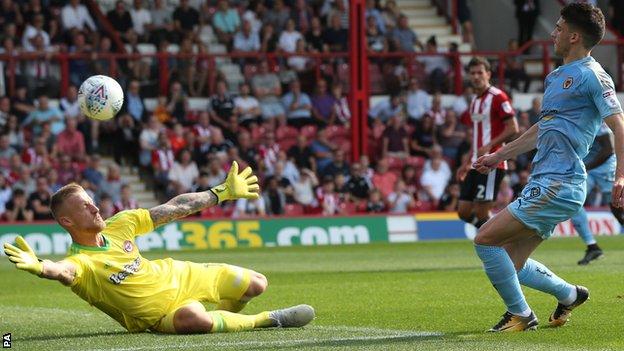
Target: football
100 97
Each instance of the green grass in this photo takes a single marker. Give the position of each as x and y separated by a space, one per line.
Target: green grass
422 296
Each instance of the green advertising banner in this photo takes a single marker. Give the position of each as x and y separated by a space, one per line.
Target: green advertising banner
50 238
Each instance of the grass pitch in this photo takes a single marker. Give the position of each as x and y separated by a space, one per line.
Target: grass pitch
422 296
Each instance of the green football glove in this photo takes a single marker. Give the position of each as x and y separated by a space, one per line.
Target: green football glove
243 185
23 256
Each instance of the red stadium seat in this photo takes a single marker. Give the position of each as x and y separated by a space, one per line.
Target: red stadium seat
286 132
416 161
395 164
309 131
347 208
214 211
286 144
337 132
293 210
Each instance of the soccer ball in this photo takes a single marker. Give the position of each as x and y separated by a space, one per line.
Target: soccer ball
100 97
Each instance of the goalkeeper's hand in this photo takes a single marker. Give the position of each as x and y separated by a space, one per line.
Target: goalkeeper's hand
23 256
243 185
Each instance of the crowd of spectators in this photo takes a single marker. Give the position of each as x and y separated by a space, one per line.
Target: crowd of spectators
294 131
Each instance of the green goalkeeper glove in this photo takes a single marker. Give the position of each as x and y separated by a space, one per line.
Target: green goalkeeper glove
23 256
243 185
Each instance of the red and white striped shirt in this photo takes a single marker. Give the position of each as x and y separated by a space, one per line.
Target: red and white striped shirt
487 115
163 159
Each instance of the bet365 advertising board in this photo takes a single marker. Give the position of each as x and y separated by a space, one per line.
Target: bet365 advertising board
49 238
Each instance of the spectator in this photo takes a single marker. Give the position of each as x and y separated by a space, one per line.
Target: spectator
289 37
176 138
527 12
301 62
245 208
6 150
418 101
302 13
375 203
21 104
106 206
335 36
461 103
376 42
14 133
246 150
246 107
113 183
92 172
411 179
339 164
55 32
436 66
178 102
357 185
395 139
36 156
25 181
38 71
76 16
246 40
424 138
375 14
100 63
437 112
340 9
514 68
221 106
341 105
323 105
226 22
162 23
17 209
303 189
322 149
141 20
390 14
298 106
45 113
67 172
6 192
403 37
450 198
32 30
400 201
277 17
215 173
10 13
268 39
185 19
133 102
450 135
386 109
464 17
148 141
79 69
183 173
39 200
435 177
314 37
384 179
71 142
301 154
267 88
274 197
5 110
69 104
120 18
327 198
536 110
254 12
287 168
218 144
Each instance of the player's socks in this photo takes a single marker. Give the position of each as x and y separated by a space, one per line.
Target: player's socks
224 321
581 224
231 305
537 276
480 223
618 213
501 272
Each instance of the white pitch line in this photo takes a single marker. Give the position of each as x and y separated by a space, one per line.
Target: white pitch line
387 334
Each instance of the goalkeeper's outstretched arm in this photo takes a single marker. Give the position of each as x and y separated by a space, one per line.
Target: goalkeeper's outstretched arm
25 259
236 185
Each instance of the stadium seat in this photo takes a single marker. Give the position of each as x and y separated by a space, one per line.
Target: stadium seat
211 212
395 163
416 161
286 132
347 207
293 210
336 131
286 144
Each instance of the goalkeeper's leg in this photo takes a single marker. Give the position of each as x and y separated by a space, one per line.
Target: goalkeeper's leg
235 281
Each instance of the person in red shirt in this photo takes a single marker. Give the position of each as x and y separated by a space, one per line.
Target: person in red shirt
493 123
71 141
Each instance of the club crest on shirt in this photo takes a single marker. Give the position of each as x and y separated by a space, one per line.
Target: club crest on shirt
568 83
127 246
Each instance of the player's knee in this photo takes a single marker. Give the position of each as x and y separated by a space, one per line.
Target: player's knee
192 321
465 214
257 285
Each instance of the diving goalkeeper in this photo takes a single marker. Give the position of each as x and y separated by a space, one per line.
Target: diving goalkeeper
105 268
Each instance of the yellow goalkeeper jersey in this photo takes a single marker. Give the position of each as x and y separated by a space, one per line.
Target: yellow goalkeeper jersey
116 279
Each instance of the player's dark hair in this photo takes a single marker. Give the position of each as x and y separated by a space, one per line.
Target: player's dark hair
480 61
57 199
587 19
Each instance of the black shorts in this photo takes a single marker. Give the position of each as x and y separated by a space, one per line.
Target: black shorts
478 187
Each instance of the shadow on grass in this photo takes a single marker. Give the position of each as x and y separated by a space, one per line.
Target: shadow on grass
71 336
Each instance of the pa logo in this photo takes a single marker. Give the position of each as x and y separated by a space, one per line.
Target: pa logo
6 341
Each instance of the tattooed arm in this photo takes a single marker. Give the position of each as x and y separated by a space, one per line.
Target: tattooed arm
182 206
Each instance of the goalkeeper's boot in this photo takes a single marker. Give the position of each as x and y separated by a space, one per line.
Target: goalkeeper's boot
511 322
562 312
590 255
292 317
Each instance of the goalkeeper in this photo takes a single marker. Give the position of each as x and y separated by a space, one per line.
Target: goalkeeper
104 267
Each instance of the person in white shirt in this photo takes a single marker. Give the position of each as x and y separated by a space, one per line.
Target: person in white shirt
141 19
183 174
436 175
76 15
461 103
246 106
288 39
399 201
33 29
249 208
418 100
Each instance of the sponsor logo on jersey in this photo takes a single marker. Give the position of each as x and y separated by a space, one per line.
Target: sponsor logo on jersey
128 269
568 83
